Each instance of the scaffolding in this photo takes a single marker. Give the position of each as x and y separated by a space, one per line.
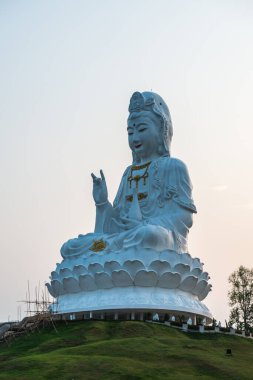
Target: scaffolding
38 315
39 305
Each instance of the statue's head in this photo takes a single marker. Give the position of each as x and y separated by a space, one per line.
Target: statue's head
149 121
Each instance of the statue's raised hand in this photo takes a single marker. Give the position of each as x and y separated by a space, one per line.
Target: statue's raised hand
100 193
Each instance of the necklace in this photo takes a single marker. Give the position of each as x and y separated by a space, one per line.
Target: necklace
138 177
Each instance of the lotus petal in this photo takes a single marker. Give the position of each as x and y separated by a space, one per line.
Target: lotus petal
181 268
171 257
103 281
132 267
145 278
186 258
169 280
121 278
188 283
205 276
159 266
55 275
205 292
110 266
200 287
79 269
65 272
50 290
87 282
71 285
57 288
95 268
196 272
196 263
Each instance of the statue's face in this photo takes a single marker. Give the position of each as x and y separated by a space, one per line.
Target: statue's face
143 134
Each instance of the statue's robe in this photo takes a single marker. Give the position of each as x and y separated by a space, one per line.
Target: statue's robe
163 212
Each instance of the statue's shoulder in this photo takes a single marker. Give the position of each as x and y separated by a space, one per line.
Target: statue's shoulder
126 171
174 163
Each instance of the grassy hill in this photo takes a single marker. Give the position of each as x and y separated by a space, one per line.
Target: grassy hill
124 350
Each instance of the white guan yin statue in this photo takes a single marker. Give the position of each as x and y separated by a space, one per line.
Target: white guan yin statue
137 259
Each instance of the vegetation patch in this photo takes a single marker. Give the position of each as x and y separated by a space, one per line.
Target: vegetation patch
124 350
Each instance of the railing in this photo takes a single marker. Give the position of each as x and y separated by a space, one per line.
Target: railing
208 329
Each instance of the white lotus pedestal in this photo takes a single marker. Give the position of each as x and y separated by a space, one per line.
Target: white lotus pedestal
132 282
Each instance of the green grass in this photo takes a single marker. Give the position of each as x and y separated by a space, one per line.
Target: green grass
124 351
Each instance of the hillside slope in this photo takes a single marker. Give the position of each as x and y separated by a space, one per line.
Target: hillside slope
124 350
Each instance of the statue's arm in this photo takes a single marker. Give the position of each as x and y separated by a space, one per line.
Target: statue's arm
104 214
104 210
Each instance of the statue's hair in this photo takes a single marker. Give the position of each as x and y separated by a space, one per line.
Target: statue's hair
150 101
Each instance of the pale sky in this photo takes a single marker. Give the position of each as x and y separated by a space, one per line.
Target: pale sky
68 70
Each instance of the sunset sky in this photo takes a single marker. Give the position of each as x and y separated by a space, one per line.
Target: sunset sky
68 70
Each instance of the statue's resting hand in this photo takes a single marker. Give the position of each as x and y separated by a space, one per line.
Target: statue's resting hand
100 193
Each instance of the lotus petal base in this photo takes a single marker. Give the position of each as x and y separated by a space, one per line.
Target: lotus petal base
131 279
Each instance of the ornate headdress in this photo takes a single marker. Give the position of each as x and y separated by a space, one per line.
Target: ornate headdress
150 101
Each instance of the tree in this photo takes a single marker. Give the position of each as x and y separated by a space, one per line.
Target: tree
241 298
